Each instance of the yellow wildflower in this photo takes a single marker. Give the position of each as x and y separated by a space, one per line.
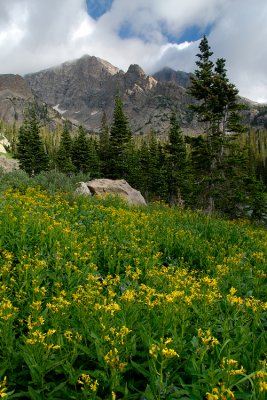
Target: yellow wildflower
3 388
207 339
263 386
88 383
169 353
260 374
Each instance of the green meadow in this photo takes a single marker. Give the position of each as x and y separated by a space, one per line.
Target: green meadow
102 301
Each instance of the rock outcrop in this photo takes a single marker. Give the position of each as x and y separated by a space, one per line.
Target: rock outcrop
16 96
8 164
83 89
118 187
83 189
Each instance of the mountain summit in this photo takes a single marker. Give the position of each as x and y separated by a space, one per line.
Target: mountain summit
81 90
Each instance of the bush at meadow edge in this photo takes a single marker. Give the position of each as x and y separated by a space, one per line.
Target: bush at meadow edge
103 301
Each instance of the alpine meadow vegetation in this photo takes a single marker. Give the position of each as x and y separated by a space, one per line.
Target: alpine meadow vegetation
100 300
103 301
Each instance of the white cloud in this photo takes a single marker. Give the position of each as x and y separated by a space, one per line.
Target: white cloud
84 29
37 34
240 37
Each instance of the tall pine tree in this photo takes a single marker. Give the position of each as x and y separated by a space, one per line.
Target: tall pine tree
63 156
218 110
30 148
80 152
120 137
104 146
176 165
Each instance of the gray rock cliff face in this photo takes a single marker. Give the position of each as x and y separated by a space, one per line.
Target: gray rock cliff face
83 89
15 94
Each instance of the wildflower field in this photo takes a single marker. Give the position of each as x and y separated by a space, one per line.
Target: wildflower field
102 301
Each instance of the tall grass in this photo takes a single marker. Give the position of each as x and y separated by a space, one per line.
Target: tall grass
52 181
102 301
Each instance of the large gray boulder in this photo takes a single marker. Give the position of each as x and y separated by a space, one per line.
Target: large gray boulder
83 189
117 187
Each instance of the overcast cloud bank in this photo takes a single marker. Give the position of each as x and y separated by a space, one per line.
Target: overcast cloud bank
38 34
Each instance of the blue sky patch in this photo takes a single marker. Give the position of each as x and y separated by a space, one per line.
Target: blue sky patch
125 31
190 34
97 8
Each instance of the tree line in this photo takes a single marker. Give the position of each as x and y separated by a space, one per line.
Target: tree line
211 171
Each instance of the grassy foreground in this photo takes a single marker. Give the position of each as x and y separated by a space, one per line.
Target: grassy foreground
100 301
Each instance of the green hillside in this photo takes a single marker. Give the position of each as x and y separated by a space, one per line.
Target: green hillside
103 301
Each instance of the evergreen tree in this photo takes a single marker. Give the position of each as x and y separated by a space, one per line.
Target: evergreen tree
120 136
145 176
150 168
64 153
176 165
162 175
93 158
200 165
132 162
217 107
154 167
80 156
217 103
201 82
104 144
30 149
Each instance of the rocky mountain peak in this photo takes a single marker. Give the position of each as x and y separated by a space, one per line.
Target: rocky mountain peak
135 76
81 90
136 70
96 63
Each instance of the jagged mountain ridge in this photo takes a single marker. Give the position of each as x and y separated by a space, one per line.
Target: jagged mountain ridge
83 89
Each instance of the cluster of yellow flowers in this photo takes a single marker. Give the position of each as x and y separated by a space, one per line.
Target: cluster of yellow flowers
261 376
231 366
73 336
220 393
43 338
248 302
3 388
58 304
87 383
112 358
78 283
206 338
162 349
117 336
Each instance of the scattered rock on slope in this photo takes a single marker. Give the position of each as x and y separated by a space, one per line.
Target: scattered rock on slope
8 164
118 187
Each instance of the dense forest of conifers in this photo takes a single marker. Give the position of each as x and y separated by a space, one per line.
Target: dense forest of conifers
223 170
